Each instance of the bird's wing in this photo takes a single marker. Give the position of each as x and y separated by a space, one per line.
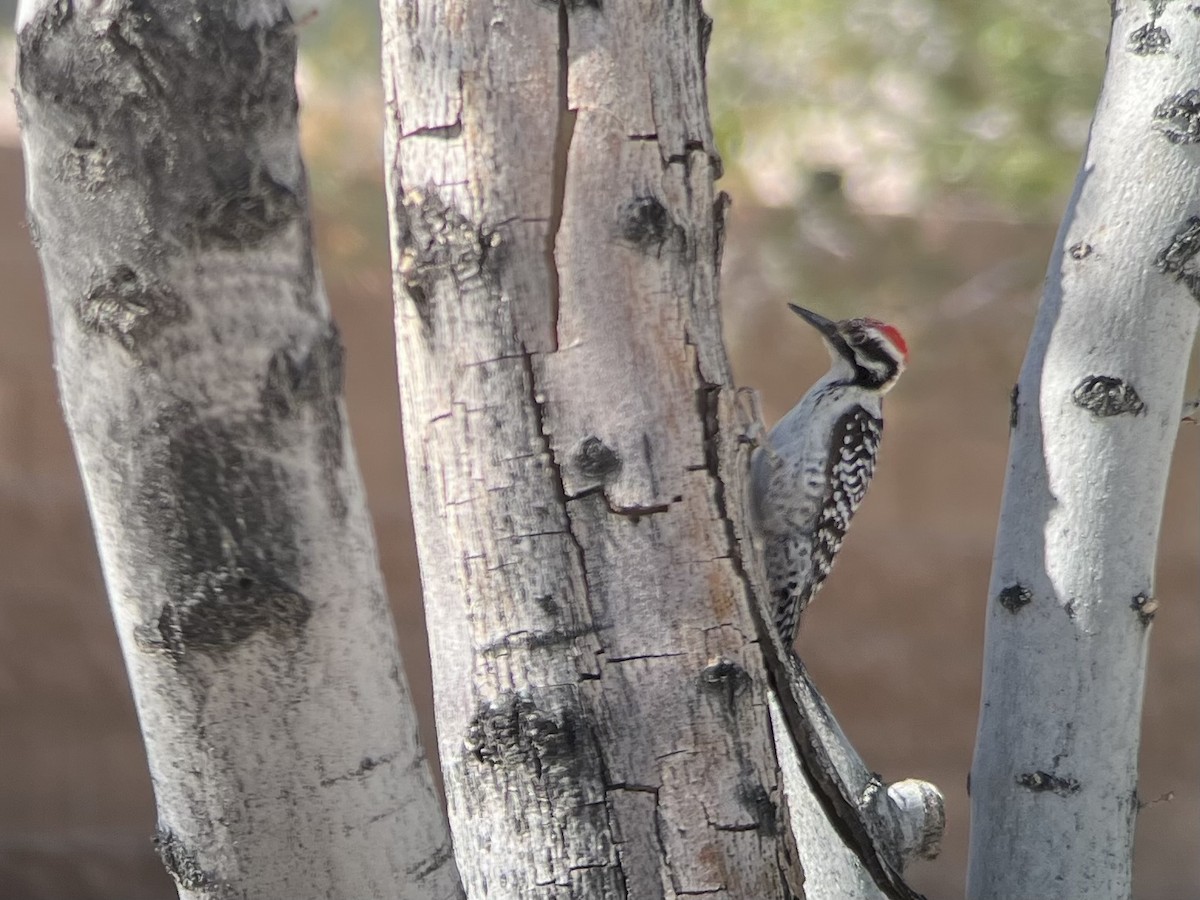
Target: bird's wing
851 464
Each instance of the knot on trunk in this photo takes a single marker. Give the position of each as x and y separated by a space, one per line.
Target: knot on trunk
1105 395
1177 118
1015 597
512 730
129 308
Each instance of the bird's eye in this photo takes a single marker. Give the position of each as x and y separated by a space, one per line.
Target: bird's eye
857 338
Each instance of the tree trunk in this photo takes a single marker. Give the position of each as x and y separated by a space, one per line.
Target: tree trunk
1095 415
201 379
600 700
574 456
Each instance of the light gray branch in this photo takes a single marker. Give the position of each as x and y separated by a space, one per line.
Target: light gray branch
1095 416
201 379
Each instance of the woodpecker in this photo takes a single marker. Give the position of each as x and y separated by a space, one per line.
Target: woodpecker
812 470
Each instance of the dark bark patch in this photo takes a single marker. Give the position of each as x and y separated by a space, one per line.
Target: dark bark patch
1179 257
226 610
1044 782
1145 606
514 731
725 679
595 459
765 815
1150 38
1080 250
248 206
1104 396
179 106
1014 407
181 861
1178 117
1015 597
311 378
646 223
129 309
219 527
441 248
301 377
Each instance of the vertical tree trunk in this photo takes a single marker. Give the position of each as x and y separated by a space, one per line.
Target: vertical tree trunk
576 469
201 378
600 697
1095 415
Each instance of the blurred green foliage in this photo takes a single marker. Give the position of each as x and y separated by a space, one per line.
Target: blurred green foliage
341 129
912 102
894 106
340 40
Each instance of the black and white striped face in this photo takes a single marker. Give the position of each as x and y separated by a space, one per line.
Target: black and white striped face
874 352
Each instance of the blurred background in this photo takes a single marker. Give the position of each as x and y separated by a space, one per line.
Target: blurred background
904 158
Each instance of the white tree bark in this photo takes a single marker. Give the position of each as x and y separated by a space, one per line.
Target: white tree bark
201 379
1095 416
574 456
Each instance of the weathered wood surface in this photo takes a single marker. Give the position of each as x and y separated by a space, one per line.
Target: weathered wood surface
201 379
576 459
601 701
1095 414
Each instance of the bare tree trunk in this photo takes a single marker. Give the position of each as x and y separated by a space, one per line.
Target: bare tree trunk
201 378
1095 415
601 706
574 460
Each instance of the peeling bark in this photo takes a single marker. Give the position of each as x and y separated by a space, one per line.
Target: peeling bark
1055 770
201 379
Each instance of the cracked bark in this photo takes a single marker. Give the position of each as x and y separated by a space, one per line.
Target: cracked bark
201 381
572 436
576 566
1099 403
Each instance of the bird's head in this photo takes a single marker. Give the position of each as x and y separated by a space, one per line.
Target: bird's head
873 352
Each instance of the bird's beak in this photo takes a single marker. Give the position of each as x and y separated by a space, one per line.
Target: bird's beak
827 327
